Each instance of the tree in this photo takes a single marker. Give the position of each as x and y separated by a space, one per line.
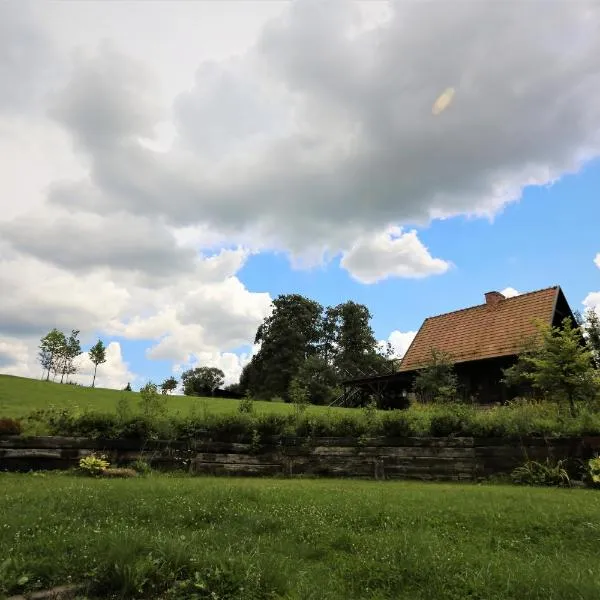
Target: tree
68 353
97 355
319 380
355 347
168 385
202 381
591 329
437 382
51 347
560 366
287 338
127 388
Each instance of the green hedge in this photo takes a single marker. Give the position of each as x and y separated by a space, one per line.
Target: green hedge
518 419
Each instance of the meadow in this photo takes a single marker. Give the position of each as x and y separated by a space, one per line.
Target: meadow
193 537
20 396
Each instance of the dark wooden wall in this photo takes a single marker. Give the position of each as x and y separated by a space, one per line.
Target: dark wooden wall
377 458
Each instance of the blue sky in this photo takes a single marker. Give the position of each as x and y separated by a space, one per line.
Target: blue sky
166 171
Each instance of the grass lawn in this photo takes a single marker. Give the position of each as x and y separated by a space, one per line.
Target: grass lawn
298 539
20 396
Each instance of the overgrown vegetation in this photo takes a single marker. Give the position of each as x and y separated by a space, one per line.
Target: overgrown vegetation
547 473
181 537
559 367
519 418
437 382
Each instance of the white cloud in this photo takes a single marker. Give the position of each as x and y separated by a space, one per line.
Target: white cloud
400 341
510 292
597 260
122 164
114 373
391 253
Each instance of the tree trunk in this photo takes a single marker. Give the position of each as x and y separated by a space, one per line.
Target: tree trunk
95 369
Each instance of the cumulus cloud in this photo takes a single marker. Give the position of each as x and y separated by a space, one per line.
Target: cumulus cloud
597 260
510 292
318 140
114 373
391 253
400 342
352 144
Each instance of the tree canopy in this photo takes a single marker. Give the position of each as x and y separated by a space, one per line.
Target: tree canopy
202 381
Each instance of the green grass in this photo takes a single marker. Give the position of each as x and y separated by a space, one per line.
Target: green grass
298 539
20 396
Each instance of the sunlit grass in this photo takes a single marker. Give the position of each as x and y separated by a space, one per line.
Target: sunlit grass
299 539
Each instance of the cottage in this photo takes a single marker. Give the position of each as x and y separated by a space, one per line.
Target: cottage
482 341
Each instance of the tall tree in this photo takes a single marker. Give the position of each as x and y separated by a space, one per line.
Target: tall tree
168 385
202 381
97 355
51 348
287 338
356 349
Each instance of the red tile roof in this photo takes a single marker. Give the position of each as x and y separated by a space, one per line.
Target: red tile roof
497 328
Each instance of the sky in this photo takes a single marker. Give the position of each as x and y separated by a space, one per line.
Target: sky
168 168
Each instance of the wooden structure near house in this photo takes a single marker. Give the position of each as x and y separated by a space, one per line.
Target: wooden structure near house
482 340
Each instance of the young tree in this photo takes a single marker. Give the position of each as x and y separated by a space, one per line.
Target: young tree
591 329
560 366
168 385
437 382
97 355
51 348
127 388
202 381
69 352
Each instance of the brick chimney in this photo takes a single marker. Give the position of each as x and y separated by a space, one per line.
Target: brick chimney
493 298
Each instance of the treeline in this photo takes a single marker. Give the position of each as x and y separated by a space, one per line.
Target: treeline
306 351
58 353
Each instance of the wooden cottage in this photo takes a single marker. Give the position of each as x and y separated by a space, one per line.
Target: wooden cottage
481 340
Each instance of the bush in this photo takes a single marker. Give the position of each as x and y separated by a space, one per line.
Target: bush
93 465
593 472
10 426
141 467
546 473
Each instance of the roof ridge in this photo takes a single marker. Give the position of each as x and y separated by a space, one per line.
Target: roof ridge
459 310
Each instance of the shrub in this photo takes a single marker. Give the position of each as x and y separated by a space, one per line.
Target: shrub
246 405
93 465
10 426
593 472
141 466
152 403
537 473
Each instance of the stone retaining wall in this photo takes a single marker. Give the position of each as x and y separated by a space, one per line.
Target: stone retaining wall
463 458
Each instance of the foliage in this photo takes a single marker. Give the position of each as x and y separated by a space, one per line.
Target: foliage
51 348
319 379
152 403
127 388
591 328
593 471
437 382
246 404
141 466
536 473
93 465
297 538
298 395
289 335
168 385
65 362
202 381
560 366
10 426
97 355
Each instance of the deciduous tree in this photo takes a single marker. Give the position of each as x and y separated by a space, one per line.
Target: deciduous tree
202 381
97 354
168 385
51 348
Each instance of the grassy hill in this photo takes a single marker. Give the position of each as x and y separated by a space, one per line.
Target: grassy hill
20 396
